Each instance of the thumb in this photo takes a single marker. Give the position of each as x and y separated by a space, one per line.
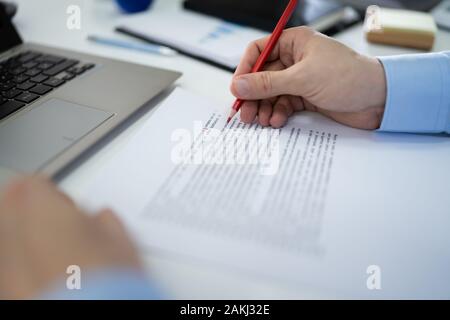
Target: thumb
262 85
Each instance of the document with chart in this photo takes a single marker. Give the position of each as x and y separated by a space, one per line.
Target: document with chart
200 35
313 203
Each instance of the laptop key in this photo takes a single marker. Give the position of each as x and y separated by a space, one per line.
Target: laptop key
30 64
50 58
26 86
39 78
60 67
21 78
53 82
5 76
2 101
76 70
27 97
18 71
28 57
41 89
33 72
11 93
9 107
45 65
67 76
12 64
88 66
5 86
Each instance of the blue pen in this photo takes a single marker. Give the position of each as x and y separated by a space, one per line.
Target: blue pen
149 48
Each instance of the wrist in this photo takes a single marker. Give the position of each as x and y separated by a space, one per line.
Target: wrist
378 94
377 89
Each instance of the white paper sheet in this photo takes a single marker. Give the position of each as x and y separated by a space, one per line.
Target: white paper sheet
198 34
342 201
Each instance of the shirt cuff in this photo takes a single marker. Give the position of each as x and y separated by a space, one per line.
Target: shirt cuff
418 97
108 284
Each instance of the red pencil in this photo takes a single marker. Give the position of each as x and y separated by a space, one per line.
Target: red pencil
281 25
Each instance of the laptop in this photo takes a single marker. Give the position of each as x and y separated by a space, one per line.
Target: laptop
56 103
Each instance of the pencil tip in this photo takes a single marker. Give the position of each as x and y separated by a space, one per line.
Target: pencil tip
232 114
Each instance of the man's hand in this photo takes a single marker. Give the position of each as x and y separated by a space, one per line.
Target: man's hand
309 71
42 232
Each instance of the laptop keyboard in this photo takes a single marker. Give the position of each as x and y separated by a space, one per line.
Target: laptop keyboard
30 75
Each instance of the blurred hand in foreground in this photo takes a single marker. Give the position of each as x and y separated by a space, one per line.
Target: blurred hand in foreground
42 233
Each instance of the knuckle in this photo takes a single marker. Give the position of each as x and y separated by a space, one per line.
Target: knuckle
303 33
15 192
266 82
31 183
305 30
283 106
20 185
19 190
256 44
251 47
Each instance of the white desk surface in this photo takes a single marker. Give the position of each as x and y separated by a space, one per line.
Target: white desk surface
44 21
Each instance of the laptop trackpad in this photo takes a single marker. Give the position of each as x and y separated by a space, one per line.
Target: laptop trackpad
34 138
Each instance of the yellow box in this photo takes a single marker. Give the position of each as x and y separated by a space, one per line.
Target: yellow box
400 27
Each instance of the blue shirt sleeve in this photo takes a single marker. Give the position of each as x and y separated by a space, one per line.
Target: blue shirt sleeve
108 284
418 93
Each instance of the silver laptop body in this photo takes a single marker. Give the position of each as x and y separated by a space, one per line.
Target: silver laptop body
96 94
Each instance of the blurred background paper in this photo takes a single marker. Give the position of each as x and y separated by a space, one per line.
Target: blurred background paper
202 36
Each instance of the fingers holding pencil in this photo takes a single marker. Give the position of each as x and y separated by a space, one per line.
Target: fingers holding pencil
252 53
287 52
269 51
